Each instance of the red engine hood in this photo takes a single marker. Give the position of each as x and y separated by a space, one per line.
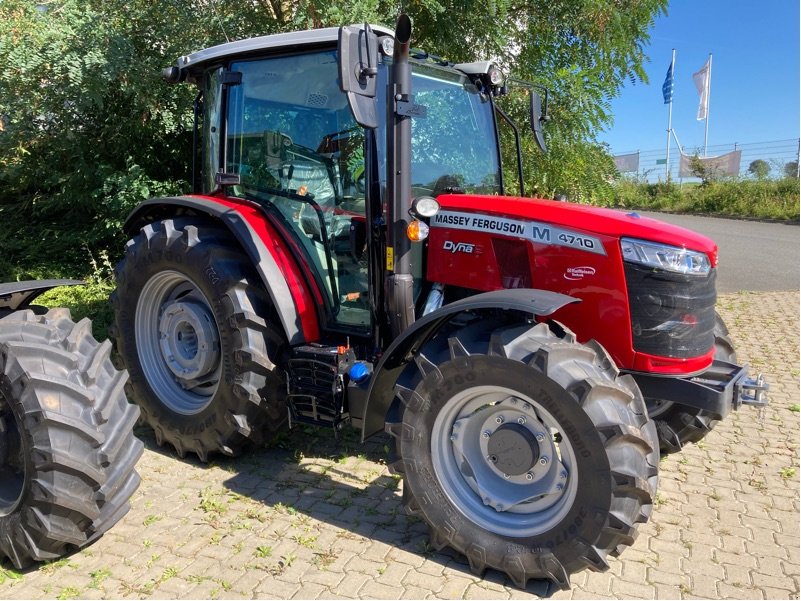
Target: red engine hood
607 222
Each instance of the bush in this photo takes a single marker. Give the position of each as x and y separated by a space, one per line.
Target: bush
763 199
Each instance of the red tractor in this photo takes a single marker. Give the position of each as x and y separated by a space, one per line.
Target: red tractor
349 257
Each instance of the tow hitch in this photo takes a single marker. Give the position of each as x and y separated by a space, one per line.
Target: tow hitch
722 388
751 391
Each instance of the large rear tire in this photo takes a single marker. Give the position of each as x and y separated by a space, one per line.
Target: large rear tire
191 325
524 450
67 450
678 424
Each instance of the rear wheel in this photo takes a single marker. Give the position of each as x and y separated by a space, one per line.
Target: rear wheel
67 450
190 326
678 424
524 451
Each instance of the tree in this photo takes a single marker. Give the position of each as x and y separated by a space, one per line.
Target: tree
88 129
759 168
791 170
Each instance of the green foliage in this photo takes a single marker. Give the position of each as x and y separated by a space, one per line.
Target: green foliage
764 199
88 130
759 168
791 169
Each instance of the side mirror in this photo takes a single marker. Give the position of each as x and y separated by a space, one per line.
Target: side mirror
358 72
537 118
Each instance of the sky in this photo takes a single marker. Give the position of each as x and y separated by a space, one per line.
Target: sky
755 77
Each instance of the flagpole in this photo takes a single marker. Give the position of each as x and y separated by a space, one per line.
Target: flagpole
670 122
708 91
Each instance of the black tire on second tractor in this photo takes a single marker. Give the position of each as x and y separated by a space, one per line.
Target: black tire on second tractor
524 450
678 424
190 325
67 450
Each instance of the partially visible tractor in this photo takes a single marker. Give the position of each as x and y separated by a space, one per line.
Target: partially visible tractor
67 450
349 256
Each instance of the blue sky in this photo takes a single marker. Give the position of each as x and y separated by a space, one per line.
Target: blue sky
755 76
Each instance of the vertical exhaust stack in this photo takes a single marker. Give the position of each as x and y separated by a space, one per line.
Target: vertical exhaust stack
399 294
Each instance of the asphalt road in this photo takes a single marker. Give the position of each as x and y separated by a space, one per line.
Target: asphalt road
754 255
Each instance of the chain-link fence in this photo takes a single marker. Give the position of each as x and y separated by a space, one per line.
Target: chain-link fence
774 159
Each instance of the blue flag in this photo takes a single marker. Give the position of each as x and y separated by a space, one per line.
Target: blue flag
667 87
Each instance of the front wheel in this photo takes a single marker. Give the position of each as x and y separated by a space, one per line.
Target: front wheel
678 424
525 451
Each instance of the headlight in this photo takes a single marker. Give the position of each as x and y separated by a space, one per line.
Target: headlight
495 76
424 206
661 256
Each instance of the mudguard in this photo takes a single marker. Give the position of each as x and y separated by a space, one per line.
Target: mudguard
381 391
292 303
18 295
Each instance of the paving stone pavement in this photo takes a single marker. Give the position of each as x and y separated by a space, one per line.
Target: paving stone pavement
315 518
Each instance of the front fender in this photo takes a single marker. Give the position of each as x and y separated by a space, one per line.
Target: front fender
381 391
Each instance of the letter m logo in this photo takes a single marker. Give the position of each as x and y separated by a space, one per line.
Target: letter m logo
543 234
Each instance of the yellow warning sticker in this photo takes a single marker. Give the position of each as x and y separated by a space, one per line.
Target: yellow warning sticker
390 258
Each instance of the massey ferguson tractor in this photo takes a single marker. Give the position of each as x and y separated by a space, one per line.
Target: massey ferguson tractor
67 450
350 257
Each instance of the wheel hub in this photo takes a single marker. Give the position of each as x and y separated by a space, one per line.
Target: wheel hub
506 454
188 339
513 449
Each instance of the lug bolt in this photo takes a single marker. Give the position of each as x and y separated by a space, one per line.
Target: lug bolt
453 436
560 486
529 476
563 475
540 437
543 460
521 420
514 401
485 434
499 419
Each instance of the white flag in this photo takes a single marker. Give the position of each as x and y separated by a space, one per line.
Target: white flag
701 79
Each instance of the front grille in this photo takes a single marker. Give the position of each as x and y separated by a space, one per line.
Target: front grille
672 314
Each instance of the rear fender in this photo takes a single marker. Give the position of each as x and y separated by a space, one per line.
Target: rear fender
279 274
380 394
19 295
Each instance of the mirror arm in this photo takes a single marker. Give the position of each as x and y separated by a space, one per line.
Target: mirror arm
516 131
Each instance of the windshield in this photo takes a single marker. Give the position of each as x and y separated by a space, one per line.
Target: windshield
454 148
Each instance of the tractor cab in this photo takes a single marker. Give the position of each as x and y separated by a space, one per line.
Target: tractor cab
277 126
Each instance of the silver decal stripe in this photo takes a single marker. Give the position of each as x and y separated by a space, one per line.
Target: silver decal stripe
535 231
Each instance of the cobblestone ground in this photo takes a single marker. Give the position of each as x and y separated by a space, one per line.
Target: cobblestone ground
314 518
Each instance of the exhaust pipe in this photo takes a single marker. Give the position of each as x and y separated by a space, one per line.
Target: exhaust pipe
399 288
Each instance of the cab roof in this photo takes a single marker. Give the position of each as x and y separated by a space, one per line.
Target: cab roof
292 41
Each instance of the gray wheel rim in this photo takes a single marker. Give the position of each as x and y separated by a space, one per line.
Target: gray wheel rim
524 503
12 460
178 342
657 407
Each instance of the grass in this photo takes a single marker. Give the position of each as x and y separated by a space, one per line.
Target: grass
98 576
761 199
89 300
69 592
7 574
